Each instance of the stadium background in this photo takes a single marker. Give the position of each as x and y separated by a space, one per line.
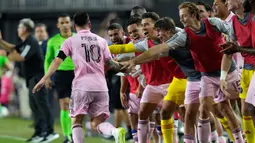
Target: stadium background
15 129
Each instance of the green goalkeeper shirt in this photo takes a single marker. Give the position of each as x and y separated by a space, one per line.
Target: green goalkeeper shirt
53 47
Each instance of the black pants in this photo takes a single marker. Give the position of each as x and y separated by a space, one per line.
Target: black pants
40 107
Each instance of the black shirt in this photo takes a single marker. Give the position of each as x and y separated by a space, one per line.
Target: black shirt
30 50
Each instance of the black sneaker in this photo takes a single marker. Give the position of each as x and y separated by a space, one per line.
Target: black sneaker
36 138
50 136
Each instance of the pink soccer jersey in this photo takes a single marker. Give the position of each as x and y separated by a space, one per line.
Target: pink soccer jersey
89 53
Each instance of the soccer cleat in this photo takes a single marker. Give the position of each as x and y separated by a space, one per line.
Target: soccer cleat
119 135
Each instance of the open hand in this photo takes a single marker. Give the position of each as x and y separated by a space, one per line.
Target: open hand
127 66
124 100
48 84
229 48
39 85
223 87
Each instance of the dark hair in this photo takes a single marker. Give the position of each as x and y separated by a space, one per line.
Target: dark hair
165 23
116 20
41 25
138 7
81 19
207 7
134 20
64 15
247 6
153 15
115 26
191 8
224 1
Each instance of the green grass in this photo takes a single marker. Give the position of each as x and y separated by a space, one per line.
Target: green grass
11 128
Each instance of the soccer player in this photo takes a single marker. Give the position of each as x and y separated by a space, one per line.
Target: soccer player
64 75
247 50
166 28
221 11
89 91
202 53
134 29
29 53
137 11
205 10
152 96
116 35
242 23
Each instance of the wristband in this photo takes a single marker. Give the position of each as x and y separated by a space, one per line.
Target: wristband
223 75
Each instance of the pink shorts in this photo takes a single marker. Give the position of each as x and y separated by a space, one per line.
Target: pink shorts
134 104
89 102
192 92
210 86
250 98
154 94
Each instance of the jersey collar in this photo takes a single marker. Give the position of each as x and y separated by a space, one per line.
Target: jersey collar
84 31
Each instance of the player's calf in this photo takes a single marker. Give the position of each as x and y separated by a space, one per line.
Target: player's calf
204 128
77 130
234 124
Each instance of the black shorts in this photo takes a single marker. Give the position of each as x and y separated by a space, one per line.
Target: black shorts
114 92
63 83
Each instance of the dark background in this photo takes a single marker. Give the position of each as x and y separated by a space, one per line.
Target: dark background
46 11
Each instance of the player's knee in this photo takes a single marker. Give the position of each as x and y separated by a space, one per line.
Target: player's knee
165 114
225 108
64 104
245 110
94 125
77 120
204 110
142 115
190 114
218 112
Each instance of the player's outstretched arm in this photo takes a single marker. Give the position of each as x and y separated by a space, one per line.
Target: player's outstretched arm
7 46
151 54
113 65
53 67
230 48
123 48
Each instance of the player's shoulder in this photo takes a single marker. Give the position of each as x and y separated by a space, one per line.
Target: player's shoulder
215 20
97 37
178 29
54 38
140 41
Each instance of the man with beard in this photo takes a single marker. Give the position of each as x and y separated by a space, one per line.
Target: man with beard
116 36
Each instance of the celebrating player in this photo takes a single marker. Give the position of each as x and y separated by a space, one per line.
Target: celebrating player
89 91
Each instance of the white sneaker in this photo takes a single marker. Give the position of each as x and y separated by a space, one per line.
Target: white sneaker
37 139
50 137
120 135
